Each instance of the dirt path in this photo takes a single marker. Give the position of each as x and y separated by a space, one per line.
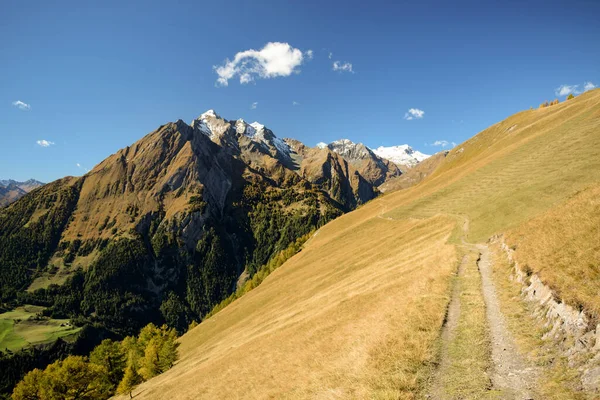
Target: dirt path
511 374
448 332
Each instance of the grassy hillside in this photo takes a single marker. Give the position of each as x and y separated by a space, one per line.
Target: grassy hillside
358 313
25 325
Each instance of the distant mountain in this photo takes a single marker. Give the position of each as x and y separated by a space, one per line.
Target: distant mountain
401 155
375 169
11 190
162 230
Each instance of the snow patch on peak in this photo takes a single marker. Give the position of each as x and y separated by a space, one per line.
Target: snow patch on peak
209 113
205 122
281 145
403 154
258 126
346 142
321 145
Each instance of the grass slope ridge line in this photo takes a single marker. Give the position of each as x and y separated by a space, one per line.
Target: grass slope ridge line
274 263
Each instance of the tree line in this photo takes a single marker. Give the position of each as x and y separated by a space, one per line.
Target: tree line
112 367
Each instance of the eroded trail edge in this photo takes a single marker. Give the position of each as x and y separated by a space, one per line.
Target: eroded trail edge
511 374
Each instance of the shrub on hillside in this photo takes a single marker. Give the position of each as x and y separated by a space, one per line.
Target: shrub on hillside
570 96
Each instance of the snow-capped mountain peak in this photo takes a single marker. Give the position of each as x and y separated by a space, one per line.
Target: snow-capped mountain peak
321 145
403 154
209 113
206 122
258 126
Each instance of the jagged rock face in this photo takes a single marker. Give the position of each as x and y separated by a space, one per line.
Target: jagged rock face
333 173
374 169
161 172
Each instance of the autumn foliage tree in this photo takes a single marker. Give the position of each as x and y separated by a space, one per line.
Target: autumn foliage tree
112 367
71 378
131 377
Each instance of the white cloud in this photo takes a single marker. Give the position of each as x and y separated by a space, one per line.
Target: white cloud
82 167
45 143
588 86
443 143
273 60
21 106
414 113
295 103
309 54
254 105
342 67
565 90
330 55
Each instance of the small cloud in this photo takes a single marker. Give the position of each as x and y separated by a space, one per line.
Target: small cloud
414 113
588 86
330 55
45 143
342 67
565 90
443 143
82 167
295 103
274 60
21 105
254 105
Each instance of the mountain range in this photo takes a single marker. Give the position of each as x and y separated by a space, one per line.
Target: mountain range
176 220
294 263
11 190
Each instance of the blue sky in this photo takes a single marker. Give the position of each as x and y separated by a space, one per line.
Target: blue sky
96 78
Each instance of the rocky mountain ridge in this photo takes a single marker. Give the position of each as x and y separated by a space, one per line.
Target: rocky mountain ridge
174 220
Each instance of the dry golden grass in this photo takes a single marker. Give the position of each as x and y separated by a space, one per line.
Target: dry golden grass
562 246
514 170
464 375
357 313
354 315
